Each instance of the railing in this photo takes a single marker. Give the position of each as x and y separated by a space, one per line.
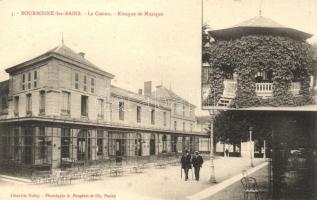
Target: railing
264 90
230 87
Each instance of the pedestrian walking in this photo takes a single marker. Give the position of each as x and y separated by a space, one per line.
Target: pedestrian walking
186 163
227 153
197 164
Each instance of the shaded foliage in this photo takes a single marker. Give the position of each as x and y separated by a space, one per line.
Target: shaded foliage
205 42
288 59
233 126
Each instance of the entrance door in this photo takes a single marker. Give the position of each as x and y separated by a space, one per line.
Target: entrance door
174 143
191 144
119 150
65 143
83 146
152 144
118 147
138 145
28 146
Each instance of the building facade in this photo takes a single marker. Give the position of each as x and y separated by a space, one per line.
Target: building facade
59 110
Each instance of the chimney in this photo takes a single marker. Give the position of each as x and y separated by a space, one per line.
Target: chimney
82 54
147 88
140 92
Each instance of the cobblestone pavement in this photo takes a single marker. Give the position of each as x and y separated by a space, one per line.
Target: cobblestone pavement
151 184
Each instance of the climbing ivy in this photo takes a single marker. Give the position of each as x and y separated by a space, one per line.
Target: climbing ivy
250 54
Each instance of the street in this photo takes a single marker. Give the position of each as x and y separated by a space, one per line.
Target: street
151 184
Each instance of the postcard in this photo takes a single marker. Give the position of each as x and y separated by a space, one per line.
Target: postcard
138 99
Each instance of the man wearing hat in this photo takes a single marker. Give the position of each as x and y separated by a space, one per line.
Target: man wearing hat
197 163
186 163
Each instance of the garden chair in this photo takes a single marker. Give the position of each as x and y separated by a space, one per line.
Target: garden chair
64 177
250 188
39 177
117 170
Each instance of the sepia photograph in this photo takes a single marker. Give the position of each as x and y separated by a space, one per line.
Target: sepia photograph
158 100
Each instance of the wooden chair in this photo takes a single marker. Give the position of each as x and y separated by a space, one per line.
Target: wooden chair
117 170
63 177
250 187
39 177
92 174
76 173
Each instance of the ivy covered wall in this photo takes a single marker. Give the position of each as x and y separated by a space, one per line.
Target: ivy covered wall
286 58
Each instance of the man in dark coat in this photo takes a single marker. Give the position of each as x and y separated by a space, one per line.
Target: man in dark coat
186 163
197 163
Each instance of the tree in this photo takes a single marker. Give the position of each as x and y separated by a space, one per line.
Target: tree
232 126
205 41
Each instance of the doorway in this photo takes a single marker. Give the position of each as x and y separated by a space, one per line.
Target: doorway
83 145
152 144
28 146
138 145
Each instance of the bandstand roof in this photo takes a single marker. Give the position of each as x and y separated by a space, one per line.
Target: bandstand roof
258 25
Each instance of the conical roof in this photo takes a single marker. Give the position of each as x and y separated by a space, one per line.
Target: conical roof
259 21
258 25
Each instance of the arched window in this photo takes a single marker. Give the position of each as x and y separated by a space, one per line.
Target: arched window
228 72
263 76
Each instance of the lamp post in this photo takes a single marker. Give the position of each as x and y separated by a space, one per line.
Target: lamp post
264 149
212 178
251 149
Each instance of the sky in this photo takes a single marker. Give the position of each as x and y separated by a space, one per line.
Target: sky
298 14
165 49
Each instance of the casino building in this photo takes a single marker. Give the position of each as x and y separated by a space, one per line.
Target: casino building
59 109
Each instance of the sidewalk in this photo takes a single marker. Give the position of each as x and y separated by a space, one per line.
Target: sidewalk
151 184
235 191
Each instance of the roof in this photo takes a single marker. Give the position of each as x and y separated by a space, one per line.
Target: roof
258 25
117 91
66 54
165 94
259 21
4 87
314 47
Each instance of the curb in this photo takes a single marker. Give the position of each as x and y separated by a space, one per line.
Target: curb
224 184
